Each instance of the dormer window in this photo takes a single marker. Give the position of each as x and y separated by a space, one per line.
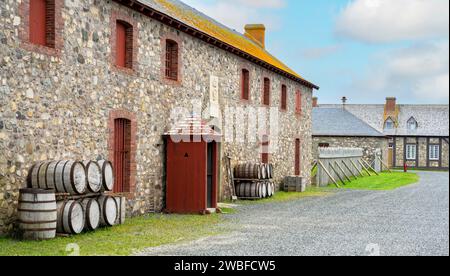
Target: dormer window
412 124
389 124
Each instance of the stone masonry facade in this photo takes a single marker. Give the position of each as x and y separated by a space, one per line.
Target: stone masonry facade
370 145
60 105
422 159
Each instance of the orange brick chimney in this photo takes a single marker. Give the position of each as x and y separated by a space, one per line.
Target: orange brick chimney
391 104
257 33
315 102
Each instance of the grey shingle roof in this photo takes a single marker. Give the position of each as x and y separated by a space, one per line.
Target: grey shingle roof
433 120
340 122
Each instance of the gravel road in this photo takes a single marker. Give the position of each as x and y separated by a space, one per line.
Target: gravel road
412 220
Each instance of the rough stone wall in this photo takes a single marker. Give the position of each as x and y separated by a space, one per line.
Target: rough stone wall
445 154
422 152
368 144
58 107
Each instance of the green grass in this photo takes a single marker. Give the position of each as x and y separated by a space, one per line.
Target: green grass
136 234
385 181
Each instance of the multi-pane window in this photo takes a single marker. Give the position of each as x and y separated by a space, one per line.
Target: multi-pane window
245 93
266 92
284 97
124 44
435 151
42 22
411 152
171 60
412 124
389 124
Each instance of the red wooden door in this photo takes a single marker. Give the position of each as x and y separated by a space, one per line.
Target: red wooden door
38 12
297 157
122 146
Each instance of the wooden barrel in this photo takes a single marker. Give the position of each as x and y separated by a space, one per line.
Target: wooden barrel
269 171
249 190
264 174
264 193
108 210
70 177
248 171
94 176
107 175
121 203
70 217
269 189
91 213
37 176
37 214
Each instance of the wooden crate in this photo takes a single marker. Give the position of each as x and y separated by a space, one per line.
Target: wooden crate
294 184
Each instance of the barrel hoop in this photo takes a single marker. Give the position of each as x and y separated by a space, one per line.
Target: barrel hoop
46 173
72 206
36 211
40 222
72 177
39 230
29 184
88 217
104 210
54 174
37 178
63 182
37 202
61 216
34 191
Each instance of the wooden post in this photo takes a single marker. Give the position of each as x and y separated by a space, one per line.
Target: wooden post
357 169
342 170
364 167
348 168
337 173
369 167
328 173
384 164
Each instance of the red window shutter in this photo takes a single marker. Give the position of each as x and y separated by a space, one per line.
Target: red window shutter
122 158
283 97
297 157
50 23
298 102
38 22
245 85
121 45
129 47
266 94
171 60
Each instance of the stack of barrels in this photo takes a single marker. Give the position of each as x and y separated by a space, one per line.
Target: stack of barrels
68 197
254 180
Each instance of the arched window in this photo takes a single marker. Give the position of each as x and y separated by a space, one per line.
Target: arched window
171 60
412 124
124 44
122 155
42 22
389 124
298 102
266 92
245 95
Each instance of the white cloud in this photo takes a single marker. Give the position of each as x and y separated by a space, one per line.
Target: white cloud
320 52
237 13
378 21
420 72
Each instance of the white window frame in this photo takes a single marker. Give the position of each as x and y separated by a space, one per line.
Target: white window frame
435 152
412 124
389 122
411 152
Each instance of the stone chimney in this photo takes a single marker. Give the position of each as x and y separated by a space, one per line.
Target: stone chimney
315 102
257 33
391 105
344 101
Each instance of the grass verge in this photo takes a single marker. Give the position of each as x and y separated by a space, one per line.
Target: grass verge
383 182
289 196
135 235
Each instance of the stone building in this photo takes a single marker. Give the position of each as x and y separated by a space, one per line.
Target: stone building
419 134
337 127
71 71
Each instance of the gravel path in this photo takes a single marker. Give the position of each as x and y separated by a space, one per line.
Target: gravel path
412 220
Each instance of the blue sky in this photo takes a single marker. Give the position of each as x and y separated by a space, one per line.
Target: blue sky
365 50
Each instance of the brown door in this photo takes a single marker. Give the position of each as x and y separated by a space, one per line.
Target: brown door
122 146
390 157
297 157
265 149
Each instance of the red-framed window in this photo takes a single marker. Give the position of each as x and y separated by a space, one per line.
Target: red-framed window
124 44
42 23
298 102
297 157
265 143
266 92
122 155
284 97
245 89
171 60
